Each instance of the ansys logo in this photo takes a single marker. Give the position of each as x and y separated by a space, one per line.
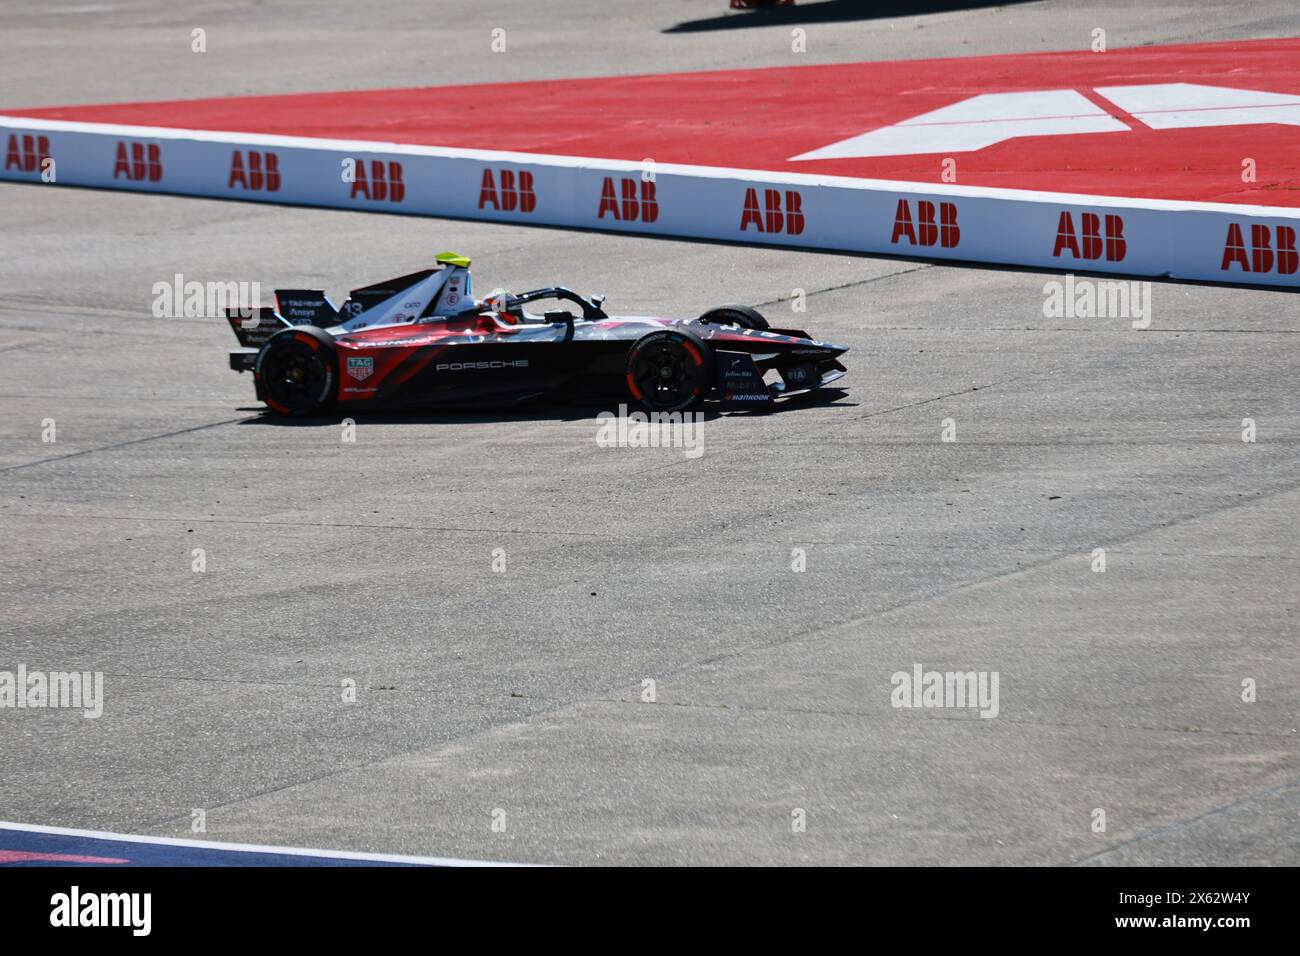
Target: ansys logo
360 368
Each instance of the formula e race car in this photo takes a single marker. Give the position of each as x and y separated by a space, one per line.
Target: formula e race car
422 340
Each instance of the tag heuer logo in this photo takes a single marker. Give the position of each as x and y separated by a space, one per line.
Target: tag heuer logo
360 368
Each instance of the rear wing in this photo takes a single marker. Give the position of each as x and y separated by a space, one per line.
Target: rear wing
254 326
306 307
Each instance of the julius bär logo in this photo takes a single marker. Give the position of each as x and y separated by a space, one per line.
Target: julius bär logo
256 171
26 153
772 216
384 181
1096 236
1269 249
644 206
508 191
360 368
926 231
138 162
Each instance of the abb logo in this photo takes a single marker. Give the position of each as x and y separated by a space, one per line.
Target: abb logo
633 207
1269 249
259 172
144 164
1095 240
515 191
927 230
26 153
384 181
773 217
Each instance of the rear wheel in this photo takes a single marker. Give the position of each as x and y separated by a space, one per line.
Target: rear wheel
741 316
296 371
669 370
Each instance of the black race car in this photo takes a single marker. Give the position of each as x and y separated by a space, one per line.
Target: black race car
423 340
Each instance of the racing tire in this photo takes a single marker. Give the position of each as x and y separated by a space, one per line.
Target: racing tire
670 370
741 316
297 372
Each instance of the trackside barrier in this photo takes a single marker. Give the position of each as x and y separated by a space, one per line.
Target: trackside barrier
1136 237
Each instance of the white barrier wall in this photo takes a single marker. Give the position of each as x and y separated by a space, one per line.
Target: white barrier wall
1203 241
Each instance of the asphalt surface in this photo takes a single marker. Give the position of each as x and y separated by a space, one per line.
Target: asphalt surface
521 691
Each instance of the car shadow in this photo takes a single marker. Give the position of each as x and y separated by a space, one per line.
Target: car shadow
831 11
535 412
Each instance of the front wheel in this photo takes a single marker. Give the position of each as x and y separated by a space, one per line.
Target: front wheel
297 370
670 370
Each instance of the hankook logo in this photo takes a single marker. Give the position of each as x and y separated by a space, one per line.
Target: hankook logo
466 366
